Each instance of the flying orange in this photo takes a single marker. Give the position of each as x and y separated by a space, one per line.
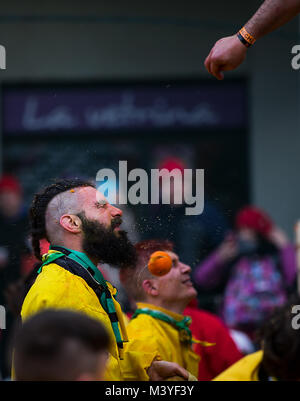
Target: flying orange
160 263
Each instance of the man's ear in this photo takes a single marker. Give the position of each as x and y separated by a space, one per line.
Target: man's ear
150 287
71 223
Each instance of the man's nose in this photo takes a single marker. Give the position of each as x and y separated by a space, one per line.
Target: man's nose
114 211
185 268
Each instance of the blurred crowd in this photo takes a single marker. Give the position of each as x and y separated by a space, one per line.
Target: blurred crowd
250 268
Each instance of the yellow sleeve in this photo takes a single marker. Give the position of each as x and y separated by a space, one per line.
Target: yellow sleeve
138 357
246 369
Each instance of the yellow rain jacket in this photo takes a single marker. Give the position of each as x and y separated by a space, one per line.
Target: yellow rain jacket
56 287
148 334
246 369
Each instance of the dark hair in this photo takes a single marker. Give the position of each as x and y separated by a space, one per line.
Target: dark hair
58 345
133 276
281 344
39 205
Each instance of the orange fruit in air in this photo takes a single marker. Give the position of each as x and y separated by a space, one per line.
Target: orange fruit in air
160 263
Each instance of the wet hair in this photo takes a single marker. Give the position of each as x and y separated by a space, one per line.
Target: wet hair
281 344
132 278
39 205
59 345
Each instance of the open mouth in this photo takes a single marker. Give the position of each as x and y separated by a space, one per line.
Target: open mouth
188 282
115 224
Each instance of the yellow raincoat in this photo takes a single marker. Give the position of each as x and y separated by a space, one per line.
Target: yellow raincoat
246 369
148 334
56 287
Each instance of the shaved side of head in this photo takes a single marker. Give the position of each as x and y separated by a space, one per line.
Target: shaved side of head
68 202
39 206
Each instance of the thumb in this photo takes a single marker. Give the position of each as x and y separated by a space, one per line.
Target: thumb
181 372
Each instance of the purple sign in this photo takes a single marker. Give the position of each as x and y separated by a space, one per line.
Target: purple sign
33 110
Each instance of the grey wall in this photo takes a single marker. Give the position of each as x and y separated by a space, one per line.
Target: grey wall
152 41
165 39
275 131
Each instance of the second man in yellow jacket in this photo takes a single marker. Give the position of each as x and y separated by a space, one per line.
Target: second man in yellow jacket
158 324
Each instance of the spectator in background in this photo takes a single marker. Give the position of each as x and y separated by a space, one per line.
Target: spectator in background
258 265
16 292
170 296
14 229
209 327
279 358
61 345
193 236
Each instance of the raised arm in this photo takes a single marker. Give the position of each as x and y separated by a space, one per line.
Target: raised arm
287 254
271 15
209 273
229 52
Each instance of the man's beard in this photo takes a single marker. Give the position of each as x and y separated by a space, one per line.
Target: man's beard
103 245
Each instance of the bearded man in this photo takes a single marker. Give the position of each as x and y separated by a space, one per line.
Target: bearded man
83 230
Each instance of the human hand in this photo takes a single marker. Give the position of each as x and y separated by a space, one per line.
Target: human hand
278 237
228 249
162 370
227 54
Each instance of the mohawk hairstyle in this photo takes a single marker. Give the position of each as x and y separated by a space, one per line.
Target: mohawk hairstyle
39 205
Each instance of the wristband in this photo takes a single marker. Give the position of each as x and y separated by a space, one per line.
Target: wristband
245 37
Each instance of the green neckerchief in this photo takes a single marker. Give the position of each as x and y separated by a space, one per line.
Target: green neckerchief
82 259
181 325
78 257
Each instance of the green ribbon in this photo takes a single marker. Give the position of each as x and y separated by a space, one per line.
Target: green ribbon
78 257
105 299
181 325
